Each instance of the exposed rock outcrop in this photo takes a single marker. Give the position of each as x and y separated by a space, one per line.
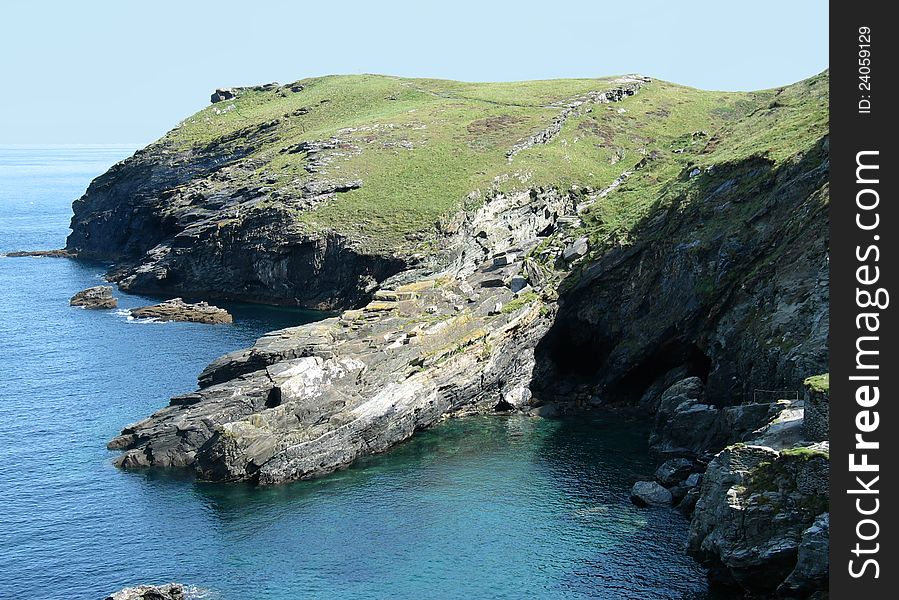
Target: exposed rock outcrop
95 297
308 400
757 508
817 408
177 309
58 253
688 425
169 591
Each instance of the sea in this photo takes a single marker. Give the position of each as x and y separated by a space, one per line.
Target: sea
476 507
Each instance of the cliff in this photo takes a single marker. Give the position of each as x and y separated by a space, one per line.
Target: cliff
532 246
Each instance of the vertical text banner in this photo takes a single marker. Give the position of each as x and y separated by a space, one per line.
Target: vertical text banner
864 364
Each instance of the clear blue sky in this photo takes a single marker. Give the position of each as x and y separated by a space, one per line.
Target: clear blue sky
104 71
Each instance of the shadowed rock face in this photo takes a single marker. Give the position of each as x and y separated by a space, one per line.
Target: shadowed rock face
762 517
731 288
182 222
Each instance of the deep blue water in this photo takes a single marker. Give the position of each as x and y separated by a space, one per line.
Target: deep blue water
484 507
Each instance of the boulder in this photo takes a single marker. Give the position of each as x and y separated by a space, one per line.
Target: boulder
179 310
650 493
222 94
169 591
517 283
674 471
575 250
95 297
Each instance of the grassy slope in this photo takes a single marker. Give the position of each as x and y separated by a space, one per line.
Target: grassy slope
422 146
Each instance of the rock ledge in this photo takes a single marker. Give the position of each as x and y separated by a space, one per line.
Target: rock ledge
99 296
179 310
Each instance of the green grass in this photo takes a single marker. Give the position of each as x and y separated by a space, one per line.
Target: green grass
819 383
423 146
520 301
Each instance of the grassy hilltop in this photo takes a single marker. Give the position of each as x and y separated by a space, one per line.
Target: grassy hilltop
424 147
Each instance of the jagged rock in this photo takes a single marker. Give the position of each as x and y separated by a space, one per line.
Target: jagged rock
674 471
786 430
686 426
169 591
575 250
754 509
307 400
222 94
650 493
649 401
812 564
179 310
95 297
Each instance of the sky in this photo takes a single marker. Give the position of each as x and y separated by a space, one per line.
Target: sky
116 72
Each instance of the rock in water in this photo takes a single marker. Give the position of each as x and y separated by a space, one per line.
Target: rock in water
650 493
58 253
95 297
674 471
169 591
179 310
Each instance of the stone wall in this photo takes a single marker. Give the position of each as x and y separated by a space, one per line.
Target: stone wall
817 408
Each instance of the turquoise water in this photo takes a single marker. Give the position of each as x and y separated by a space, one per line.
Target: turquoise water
485 507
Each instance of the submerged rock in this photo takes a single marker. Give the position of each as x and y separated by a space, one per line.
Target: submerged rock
95 297
169 591
179 310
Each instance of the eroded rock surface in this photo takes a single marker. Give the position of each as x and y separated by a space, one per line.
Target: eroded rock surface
756 509
307 400
179 310
95 297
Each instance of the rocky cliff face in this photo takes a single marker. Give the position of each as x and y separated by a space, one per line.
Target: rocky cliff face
201 223
631 243
761 521
730 287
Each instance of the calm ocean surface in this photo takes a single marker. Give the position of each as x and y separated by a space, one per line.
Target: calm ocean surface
476 508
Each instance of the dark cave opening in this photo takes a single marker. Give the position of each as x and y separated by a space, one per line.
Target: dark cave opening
676 354
503 406
274 397
574 358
